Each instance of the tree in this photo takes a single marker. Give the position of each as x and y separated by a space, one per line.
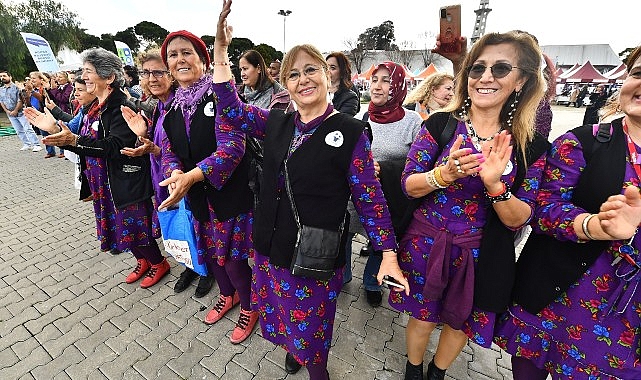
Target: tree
50 20
403 54
237 47
426 53
379 37
268 52
13 51
151 32
357 54
129 37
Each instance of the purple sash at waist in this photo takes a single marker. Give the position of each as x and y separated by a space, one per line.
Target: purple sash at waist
456 291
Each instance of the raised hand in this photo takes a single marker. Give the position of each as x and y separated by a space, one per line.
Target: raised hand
135 121
620 215
42 120
497 153
461 162
63 138
224 31
147 147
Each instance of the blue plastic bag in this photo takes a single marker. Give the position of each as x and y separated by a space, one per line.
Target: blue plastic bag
179 237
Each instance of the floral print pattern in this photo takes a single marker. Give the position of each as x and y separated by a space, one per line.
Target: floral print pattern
120 229
591 331
461 208
298 313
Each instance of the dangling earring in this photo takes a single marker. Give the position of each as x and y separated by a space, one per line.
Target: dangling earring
466 106
510 115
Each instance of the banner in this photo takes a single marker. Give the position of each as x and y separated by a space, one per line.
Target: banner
41 53
124 53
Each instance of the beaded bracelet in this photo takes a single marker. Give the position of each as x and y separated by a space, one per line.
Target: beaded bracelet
504 195
430 178
584 226
439 178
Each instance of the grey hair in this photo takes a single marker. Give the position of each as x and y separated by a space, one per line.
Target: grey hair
106 64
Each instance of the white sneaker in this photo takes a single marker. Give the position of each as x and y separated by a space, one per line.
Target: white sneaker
37 148
25 147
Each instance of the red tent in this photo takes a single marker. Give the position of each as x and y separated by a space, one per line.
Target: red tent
429 70
618 74
586 74
367 75
409 75
568 72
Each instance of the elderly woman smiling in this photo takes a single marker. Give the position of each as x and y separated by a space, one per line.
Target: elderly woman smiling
121 185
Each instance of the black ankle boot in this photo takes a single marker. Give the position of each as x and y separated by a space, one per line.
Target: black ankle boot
413 372
291 365
435 373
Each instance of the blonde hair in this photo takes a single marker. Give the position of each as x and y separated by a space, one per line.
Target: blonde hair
423 92
533 90
288 60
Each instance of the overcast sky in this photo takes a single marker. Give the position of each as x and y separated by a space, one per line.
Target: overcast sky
328 23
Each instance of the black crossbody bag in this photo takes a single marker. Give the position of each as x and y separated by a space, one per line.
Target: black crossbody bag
316 249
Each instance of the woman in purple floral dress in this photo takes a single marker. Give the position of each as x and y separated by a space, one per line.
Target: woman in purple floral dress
204 162
328 159
477 184
577 310
120 185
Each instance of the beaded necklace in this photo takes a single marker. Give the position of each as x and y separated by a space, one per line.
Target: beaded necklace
476 139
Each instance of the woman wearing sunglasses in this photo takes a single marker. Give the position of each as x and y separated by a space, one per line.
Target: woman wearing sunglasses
577 296
316 158
477 185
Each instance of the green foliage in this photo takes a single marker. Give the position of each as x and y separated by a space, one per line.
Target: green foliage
268 52
237 47
50 20
129 37
151 32
379 37
13 51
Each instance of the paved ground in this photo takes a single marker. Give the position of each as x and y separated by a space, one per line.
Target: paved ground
66 313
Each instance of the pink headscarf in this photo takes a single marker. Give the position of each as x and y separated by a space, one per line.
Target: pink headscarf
392 110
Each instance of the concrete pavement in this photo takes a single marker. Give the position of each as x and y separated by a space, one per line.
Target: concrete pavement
66 313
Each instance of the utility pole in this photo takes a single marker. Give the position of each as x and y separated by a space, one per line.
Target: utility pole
284 13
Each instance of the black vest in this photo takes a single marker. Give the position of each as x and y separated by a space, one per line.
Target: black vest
235 197
547 267
318 176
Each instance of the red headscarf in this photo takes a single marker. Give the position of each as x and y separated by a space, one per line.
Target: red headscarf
393 109
199 45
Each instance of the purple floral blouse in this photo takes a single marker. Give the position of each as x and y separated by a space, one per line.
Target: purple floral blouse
366 190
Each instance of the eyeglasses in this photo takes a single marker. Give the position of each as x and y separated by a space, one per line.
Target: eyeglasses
309 72
155 73
498 70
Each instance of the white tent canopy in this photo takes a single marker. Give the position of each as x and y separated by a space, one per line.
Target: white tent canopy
69 59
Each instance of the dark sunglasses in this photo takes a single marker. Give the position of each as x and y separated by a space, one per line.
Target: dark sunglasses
498 70
155 73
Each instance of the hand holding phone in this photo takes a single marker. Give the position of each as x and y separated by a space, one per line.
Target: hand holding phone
392 282
450 32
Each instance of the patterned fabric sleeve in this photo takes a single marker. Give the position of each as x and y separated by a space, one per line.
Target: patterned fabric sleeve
421 156
368 198
220 165
168 160
529 189
232 112
555 213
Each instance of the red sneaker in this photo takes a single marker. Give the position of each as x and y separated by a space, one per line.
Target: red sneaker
245 326
141 268
223 305
154 275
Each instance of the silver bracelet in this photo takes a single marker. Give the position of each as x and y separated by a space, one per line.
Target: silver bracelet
431 180
584 226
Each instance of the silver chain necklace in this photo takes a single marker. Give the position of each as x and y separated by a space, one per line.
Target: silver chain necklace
476 139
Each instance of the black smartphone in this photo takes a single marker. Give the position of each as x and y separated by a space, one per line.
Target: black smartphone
392 282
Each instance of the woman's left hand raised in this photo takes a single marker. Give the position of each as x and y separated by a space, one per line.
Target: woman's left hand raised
63 138
497 153
223 31
42 120
135 121
389 267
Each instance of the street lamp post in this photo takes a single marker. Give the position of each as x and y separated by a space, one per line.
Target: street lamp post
284 13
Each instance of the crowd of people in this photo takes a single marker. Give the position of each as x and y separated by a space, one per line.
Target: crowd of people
441 182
